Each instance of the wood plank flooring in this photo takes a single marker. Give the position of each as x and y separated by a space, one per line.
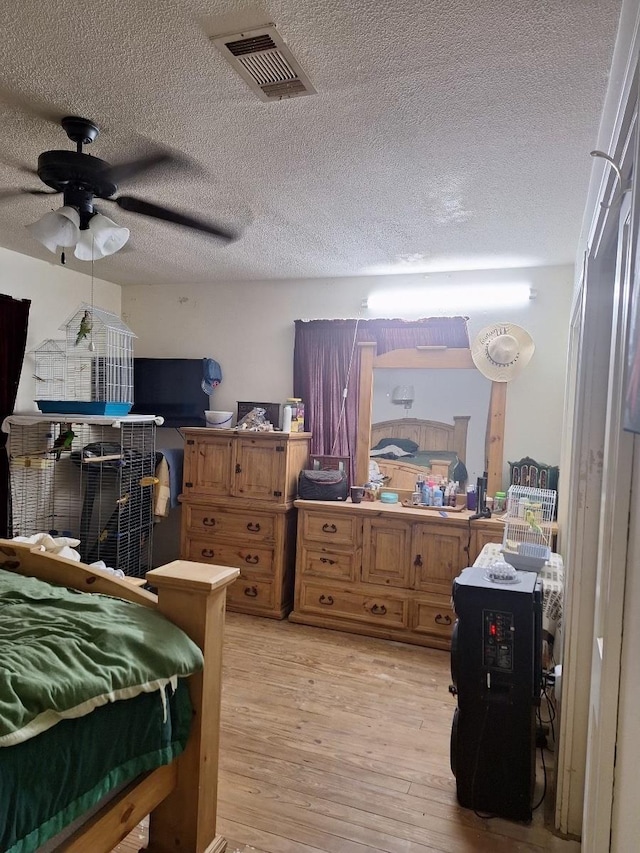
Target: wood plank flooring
336 743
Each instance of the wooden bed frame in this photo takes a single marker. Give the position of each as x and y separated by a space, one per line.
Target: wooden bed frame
181 798
428 435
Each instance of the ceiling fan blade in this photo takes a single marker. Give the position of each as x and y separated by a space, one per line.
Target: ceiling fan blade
146 208
31 105
126 170
6 194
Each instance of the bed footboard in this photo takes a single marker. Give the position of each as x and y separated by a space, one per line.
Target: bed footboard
192 595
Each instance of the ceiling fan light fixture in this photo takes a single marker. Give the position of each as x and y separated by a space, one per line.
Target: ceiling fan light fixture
57 228
108 236
86 248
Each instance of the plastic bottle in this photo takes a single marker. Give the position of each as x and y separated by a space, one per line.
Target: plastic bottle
286 419
437 496
471 498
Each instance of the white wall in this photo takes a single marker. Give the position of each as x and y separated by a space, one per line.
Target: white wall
55 292
248 328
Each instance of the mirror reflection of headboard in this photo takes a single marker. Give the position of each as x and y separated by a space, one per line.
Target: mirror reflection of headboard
428 435
426 358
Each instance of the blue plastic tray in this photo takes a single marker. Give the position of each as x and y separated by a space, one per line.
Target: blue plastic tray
75 407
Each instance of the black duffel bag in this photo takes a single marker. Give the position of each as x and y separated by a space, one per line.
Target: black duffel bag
322 485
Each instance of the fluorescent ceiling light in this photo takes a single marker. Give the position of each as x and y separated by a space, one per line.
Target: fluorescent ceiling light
435 299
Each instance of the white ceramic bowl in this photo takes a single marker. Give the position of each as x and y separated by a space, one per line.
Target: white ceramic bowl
218 420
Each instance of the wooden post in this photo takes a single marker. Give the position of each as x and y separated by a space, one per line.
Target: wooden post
192 596
495 436
365 405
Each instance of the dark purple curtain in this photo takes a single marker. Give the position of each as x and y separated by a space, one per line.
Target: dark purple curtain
14 319
326 359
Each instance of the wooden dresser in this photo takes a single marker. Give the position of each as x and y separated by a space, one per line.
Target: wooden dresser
237 510
383 570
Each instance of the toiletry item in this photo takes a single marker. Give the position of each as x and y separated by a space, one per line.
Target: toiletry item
389 497
297 414
437 499
471 498
286 418
499 501
416 497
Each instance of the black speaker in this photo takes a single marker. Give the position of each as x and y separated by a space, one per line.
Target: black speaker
496 670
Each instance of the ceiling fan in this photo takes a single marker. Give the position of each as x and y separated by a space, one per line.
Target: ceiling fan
82 178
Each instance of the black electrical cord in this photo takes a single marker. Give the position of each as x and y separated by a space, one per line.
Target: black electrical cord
544 788
475 765
468 545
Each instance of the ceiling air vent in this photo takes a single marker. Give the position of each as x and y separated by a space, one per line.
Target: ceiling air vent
265 62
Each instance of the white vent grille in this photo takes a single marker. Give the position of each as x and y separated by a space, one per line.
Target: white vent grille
265 62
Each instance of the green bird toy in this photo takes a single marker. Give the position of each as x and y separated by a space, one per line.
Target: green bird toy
85 327
63 441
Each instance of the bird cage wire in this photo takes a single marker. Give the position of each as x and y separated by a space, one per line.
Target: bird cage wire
99 352
529 521
49 370
88 481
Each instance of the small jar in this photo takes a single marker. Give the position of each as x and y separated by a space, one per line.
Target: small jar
499 501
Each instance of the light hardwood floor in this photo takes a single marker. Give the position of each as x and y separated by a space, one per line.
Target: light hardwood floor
338 743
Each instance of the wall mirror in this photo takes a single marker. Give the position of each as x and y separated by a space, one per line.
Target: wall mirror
436 398
404 398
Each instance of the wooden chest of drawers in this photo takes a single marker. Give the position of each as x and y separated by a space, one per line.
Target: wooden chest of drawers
383 570
237 510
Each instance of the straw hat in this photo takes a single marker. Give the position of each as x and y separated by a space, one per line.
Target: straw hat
502 351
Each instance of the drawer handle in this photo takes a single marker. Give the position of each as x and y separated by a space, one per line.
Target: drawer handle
253 527
252 558
328 561
326 600
207 552
418 560
209 522
251 591
329 528
443 620
378 610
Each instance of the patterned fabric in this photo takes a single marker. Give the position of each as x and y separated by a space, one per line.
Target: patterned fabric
552 575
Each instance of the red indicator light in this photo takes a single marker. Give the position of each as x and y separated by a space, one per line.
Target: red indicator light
492 629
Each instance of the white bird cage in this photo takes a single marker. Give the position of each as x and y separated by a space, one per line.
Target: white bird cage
99 365
97 488
49 370
528 531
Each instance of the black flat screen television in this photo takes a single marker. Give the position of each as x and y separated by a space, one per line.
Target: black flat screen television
170 387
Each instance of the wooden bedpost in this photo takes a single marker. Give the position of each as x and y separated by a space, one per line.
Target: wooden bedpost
192 595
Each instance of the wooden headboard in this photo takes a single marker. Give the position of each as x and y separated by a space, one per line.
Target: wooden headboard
428 435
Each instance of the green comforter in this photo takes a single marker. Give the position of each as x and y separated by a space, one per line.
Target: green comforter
64 653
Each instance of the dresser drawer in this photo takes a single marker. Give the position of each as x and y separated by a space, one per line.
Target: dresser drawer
256 557
432 615
389 610
248 592
251 526
333 529
317 562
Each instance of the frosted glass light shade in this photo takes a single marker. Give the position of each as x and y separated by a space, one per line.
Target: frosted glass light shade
57 228
108 236
103 237
403 395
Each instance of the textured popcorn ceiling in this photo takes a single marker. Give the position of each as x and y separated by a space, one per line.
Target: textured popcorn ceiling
444 135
